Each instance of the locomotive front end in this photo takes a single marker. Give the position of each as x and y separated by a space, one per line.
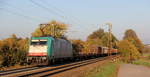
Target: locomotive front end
37 51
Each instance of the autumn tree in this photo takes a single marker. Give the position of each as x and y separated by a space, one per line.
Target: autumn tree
1 57
91 43
96 34
13 50
128 51
131 36
78 46
94 41
53 28
103 38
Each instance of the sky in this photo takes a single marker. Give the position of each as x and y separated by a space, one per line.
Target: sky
22 17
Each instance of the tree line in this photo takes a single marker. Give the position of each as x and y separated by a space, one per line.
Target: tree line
96 39
130 47
13 50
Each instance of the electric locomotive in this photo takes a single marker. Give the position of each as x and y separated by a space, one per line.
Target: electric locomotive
48 49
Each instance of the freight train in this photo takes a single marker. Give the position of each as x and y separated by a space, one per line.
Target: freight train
49 50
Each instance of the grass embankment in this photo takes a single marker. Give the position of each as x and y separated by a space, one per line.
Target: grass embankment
108 69
143 61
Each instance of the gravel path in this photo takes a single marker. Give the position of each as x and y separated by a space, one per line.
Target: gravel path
130 70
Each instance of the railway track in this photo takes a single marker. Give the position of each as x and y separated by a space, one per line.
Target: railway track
48 70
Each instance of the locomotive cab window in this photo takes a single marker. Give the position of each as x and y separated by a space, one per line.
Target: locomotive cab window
39 42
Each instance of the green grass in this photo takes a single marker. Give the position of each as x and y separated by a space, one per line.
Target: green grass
106 70
142 62
146 55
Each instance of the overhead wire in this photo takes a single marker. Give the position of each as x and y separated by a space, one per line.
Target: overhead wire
18 14
21 10
56 9
39 4
62 12
74 19
47 9
57 13
10 12
43 7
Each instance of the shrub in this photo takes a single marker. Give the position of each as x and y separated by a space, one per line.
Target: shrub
128 51
13 51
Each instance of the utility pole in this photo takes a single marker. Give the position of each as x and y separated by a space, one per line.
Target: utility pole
54 32
110 38
42 26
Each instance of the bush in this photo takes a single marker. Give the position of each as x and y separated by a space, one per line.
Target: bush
141 62
128 51
13 51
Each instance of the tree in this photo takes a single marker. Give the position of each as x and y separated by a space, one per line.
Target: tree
91 44
131 36
96 34
13 50
53 28
128 51
78 46
105 40
94 41
1 57
102 38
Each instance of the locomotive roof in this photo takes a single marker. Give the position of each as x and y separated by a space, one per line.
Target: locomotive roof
50 38
42 38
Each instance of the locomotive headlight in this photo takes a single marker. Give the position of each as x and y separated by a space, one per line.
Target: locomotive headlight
44 58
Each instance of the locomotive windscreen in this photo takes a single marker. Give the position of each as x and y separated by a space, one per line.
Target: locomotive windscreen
38 42
38 47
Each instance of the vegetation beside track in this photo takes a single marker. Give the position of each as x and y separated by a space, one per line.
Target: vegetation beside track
108 69
13 51
142 62
145 60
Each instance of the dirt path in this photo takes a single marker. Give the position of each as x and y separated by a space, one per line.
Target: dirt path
130 70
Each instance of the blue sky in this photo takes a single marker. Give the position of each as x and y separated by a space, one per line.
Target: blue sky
83 16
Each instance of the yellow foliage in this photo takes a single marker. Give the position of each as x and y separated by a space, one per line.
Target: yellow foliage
78 45
128 51
13 50
54 28
131 36
90 43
